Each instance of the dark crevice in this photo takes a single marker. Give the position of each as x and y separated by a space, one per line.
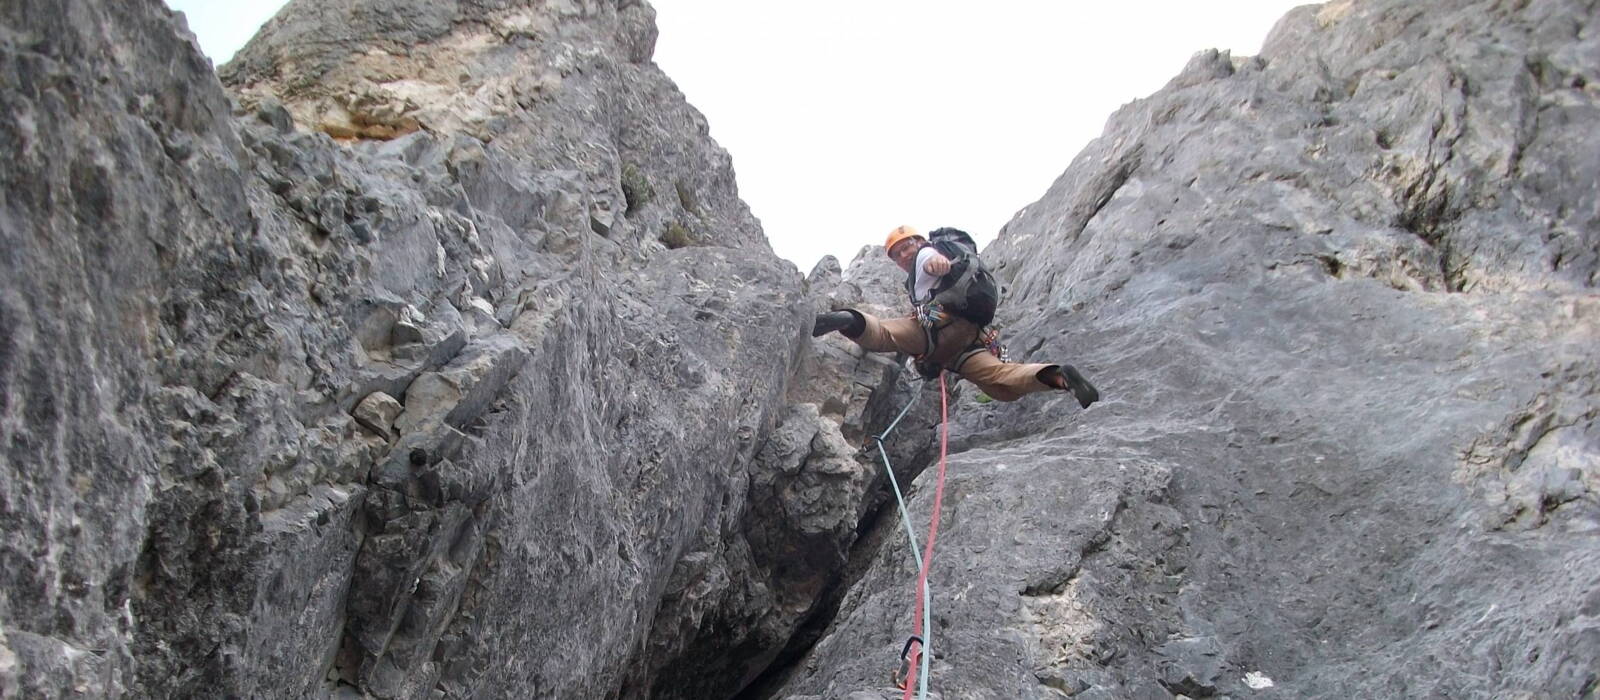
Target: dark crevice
1425 205
1121 178
1055 583
862 552
871 533
769 659
1428 216
1454 276
1105 190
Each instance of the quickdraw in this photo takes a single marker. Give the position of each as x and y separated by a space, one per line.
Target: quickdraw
989 338
903 675
931 315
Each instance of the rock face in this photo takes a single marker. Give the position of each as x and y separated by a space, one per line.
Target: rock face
440 359
436 357
1341 301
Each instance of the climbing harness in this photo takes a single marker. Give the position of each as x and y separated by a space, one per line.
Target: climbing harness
917 647
933 318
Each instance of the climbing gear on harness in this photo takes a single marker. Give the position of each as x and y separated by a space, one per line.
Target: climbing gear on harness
931 314
1067 377
933 318
968 290
989 338
920 643
848 322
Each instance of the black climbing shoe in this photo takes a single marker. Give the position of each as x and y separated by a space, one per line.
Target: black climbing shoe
850 323
1066 378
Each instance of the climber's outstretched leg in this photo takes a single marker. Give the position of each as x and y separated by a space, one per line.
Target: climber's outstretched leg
1005 381
872 333
849 323
1067 378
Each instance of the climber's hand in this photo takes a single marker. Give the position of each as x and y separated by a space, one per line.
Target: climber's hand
937 265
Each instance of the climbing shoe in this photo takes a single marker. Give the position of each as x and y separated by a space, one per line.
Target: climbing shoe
850 323
1067 378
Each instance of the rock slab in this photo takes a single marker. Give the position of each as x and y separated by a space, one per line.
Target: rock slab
1340 300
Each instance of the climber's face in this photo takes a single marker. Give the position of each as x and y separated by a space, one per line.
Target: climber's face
904 253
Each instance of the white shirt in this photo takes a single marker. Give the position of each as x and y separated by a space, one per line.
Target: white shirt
925 281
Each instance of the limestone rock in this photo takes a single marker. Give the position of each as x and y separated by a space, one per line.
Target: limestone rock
204 293
1339 299
463 389
1192 666
377 413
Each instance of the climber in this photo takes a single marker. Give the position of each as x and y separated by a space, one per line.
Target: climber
955 298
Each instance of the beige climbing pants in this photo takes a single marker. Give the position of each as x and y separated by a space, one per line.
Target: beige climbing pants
1003 381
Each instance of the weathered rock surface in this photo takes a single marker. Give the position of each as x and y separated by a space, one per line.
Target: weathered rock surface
475 388
436 356
1341 301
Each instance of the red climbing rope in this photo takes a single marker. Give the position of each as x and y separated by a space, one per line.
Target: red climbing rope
933 532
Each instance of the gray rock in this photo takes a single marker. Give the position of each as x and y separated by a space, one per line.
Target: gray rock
1192 666
463 389
197 304
1339 300
377 412
273 113
407 333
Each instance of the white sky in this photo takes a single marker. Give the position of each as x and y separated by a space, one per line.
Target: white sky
846 118
223 26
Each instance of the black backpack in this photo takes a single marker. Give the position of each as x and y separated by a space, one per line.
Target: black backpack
968 290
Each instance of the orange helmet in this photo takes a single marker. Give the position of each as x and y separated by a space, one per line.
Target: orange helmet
899 234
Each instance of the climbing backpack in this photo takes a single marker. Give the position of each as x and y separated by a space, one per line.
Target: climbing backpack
969 290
